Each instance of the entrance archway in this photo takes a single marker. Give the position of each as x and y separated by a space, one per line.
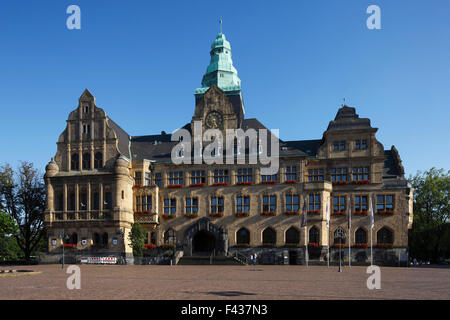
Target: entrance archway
203 242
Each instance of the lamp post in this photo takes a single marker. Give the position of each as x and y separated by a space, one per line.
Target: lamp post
341 236
63 236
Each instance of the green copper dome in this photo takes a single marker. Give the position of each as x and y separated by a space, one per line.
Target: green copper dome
220 70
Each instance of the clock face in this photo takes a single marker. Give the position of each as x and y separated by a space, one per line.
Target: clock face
213 120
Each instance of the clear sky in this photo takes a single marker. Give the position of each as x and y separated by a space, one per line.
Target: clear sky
142 60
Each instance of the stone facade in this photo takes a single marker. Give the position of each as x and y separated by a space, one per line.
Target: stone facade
101 180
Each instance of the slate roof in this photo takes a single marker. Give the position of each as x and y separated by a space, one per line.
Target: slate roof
124 138
347 119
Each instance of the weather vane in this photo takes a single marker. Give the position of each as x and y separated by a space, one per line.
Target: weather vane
220 21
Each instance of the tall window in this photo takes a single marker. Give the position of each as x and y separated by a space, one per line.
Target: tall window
221 176
198 177
360 144
291 173
105 239
96 200
147 178
269 236
242 204
107 202
170 236
86 129
339 145
339 236
314 203
360 203
361 174
244 175
360 236
98 160
338 204
243 236
292 202
314 235
292 236
75 162
216 205
175 178
146 203
86 161
71 201
59 201
339 175
315 175
138 178
384 236
191 206
83 201
385 202
269 203
170 206
158 179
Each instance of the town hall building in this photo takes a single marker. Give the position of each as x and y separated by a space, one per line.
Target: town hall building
102 180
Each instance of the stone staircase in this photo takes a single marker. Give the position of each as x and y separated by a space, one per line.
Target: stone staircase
208 260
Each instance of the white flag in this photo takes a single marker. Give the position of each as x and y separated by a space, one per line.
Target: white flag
371 213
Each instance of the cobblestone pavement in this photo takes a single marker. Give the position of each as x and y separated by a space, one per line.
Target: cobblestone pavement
225 282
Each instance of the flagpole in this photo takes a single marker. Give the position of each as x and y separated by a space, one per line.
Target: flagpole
350 232
328 231
371 228
306 246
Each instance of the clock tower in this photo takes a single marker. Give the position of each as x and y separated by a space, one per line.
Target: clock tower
218 103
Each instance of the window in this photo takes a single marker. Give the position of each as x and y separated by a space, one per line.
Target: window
170 206
108 201
138 178
315 175
339 175
86 161
83 201
339 236
170 237
339 145
384 236
385 202
339 204
176 178
198 177
153 237
360 144
269 236
146 203
292 236
360 236
191 206
243 204
105 239
216 205
75 162
158 179
314 235
244 175
73 239
138 204
243 236
98 160
71 201
269 178
147 179
361 204
86 109
221 176
292 202
96 201
86 128
314 203
291 173
269 203
361 174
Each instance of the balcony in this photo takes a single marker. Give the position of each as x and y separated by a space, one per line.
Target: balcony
70 216
146 218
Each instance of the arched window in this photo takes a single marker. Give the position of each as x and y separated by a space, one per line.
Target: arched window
170 237
98 160
361 236
384 236
86 161
105 239
75 162
339 236
243 236
292 236
314 235
269 236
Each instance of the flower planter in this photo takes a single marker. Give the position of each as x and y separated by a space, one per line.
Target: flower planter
191 215
197 185
215 215
313 244
167 246
361 182
339 213
314 212
385 212
340 183
361 213
292 213
244 183
137 185
168 216
290 181
241 214
149 246
217 184
384 245
68 245
138 212
340 245
361 245
175 186
270 213
268 182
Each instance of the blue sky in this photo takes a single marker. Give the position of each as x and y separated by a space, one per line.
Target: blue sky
142 60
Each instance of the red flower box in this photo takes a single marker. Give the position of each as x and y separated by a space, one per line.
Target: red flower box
175 186
268 182
361 245
68 245
241 214
313 244
147 211
245 183
137 185
340 245
138 212
386 212
149 246
362 213
290 181
340 182
384 245
314 212
168 216
217 214
197 184
361 181
220 184
191 215
167 246
338 213
292 213
269 213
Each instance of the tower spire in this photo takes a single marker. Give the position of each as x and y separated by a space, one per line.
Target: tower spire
220 21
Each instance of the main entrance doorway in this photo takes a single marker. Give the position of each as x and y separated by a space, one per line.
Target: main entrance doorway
204 242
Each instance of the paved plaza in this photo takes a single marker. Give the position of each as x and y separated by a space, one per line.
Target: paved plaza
224 282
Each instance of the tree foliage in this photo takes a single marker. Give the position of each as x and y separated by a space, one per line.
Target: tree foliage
22 197
429 237
137 239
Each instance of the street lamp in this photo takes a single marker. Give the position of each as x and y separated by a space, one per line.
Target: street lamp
64 236
341 236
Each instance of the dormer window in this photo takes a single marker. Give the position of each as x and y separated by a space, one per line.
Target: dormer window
86 128
360 144
339 145
86 109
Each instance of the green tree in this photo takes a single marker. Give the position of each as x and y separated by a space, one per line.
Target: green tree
9 250
22 197
429 234
137 239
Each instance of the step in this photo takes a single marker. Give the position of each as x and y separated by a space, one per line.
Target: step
205 260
